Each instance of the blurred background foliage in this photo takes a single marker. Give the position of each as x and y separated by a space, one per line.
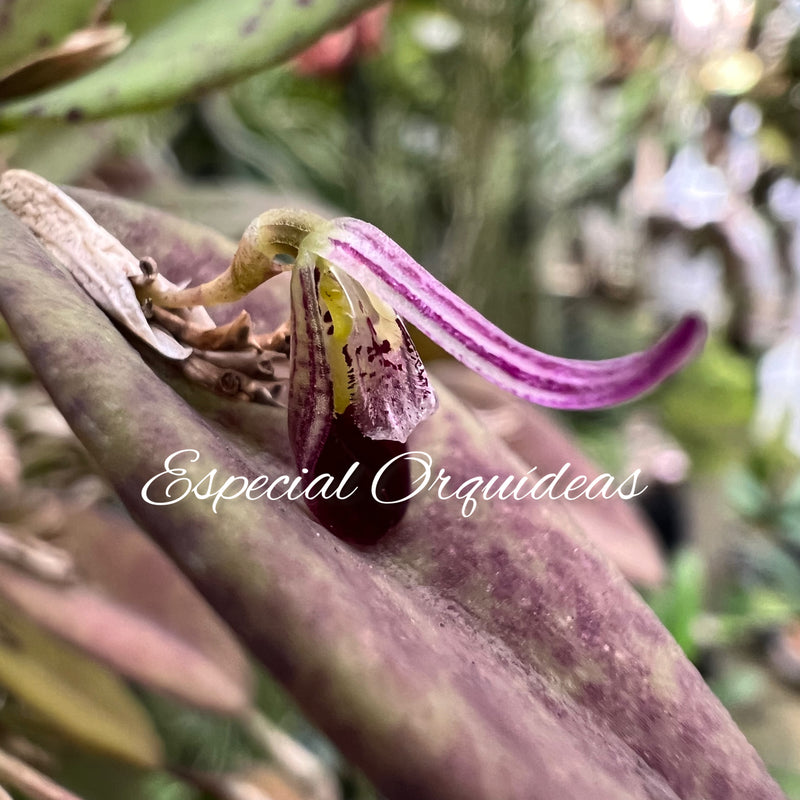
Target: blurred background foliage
582 171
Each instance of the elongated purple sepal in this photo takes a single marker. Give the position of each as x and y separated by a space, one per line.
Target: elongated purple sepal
387 271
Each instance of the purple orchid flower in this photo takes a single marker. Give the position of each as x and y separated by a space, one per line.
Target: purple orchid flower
357 386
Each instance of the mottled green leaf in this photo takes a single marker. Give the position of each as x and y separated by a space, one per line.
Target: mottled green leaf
494 656
201 46
35 24
142 15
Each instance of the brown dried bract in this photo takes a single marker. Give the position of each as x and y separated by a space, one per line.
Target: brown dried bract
229 359
279 340
80 52
236 335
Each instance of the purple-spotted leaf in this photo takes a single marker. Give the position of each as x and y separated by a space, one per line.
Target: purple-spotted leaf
202 45
29 26
612 524
489 656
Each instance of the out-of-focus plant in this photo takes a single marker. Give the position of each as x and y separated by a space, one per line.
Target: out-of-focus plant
178 50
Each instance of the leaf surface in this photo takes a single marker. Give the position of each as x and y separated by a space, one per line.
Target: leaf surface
494 656
612 524
72 693
134 611
35 24
201 46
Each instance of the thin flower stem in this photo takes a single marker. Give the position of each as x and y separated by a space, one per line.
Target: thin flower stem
275 233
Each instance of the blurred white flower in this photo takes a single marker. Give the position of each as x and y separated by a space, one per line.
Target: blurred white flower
681 283
778 402
746 118
437 31
744 155
651 449
753 242
703 26
580 121
694 192
784 200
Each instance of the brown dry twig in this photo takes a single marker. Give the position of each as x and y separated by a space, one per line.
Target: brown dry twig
235 335
277 341
256 365
230 382
228 359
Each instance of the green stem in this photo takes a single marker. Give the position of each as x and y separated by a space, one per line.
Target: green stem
276 232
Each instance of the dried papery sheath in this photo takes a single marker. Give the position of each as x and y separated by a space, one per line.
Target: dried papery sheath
100 264
386 270
81 51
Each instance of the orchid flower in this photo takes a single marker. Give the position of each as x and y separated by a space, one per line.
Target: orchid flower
357 387
356 379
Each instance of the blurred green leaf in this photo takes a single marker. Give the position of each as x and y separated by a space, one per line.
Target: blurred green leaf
198 740
75 695
42 150
747 494
202 46
791 497
777 572
789 781
135 612
769 609
143 15
708 405
35 24
739 686
679 605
